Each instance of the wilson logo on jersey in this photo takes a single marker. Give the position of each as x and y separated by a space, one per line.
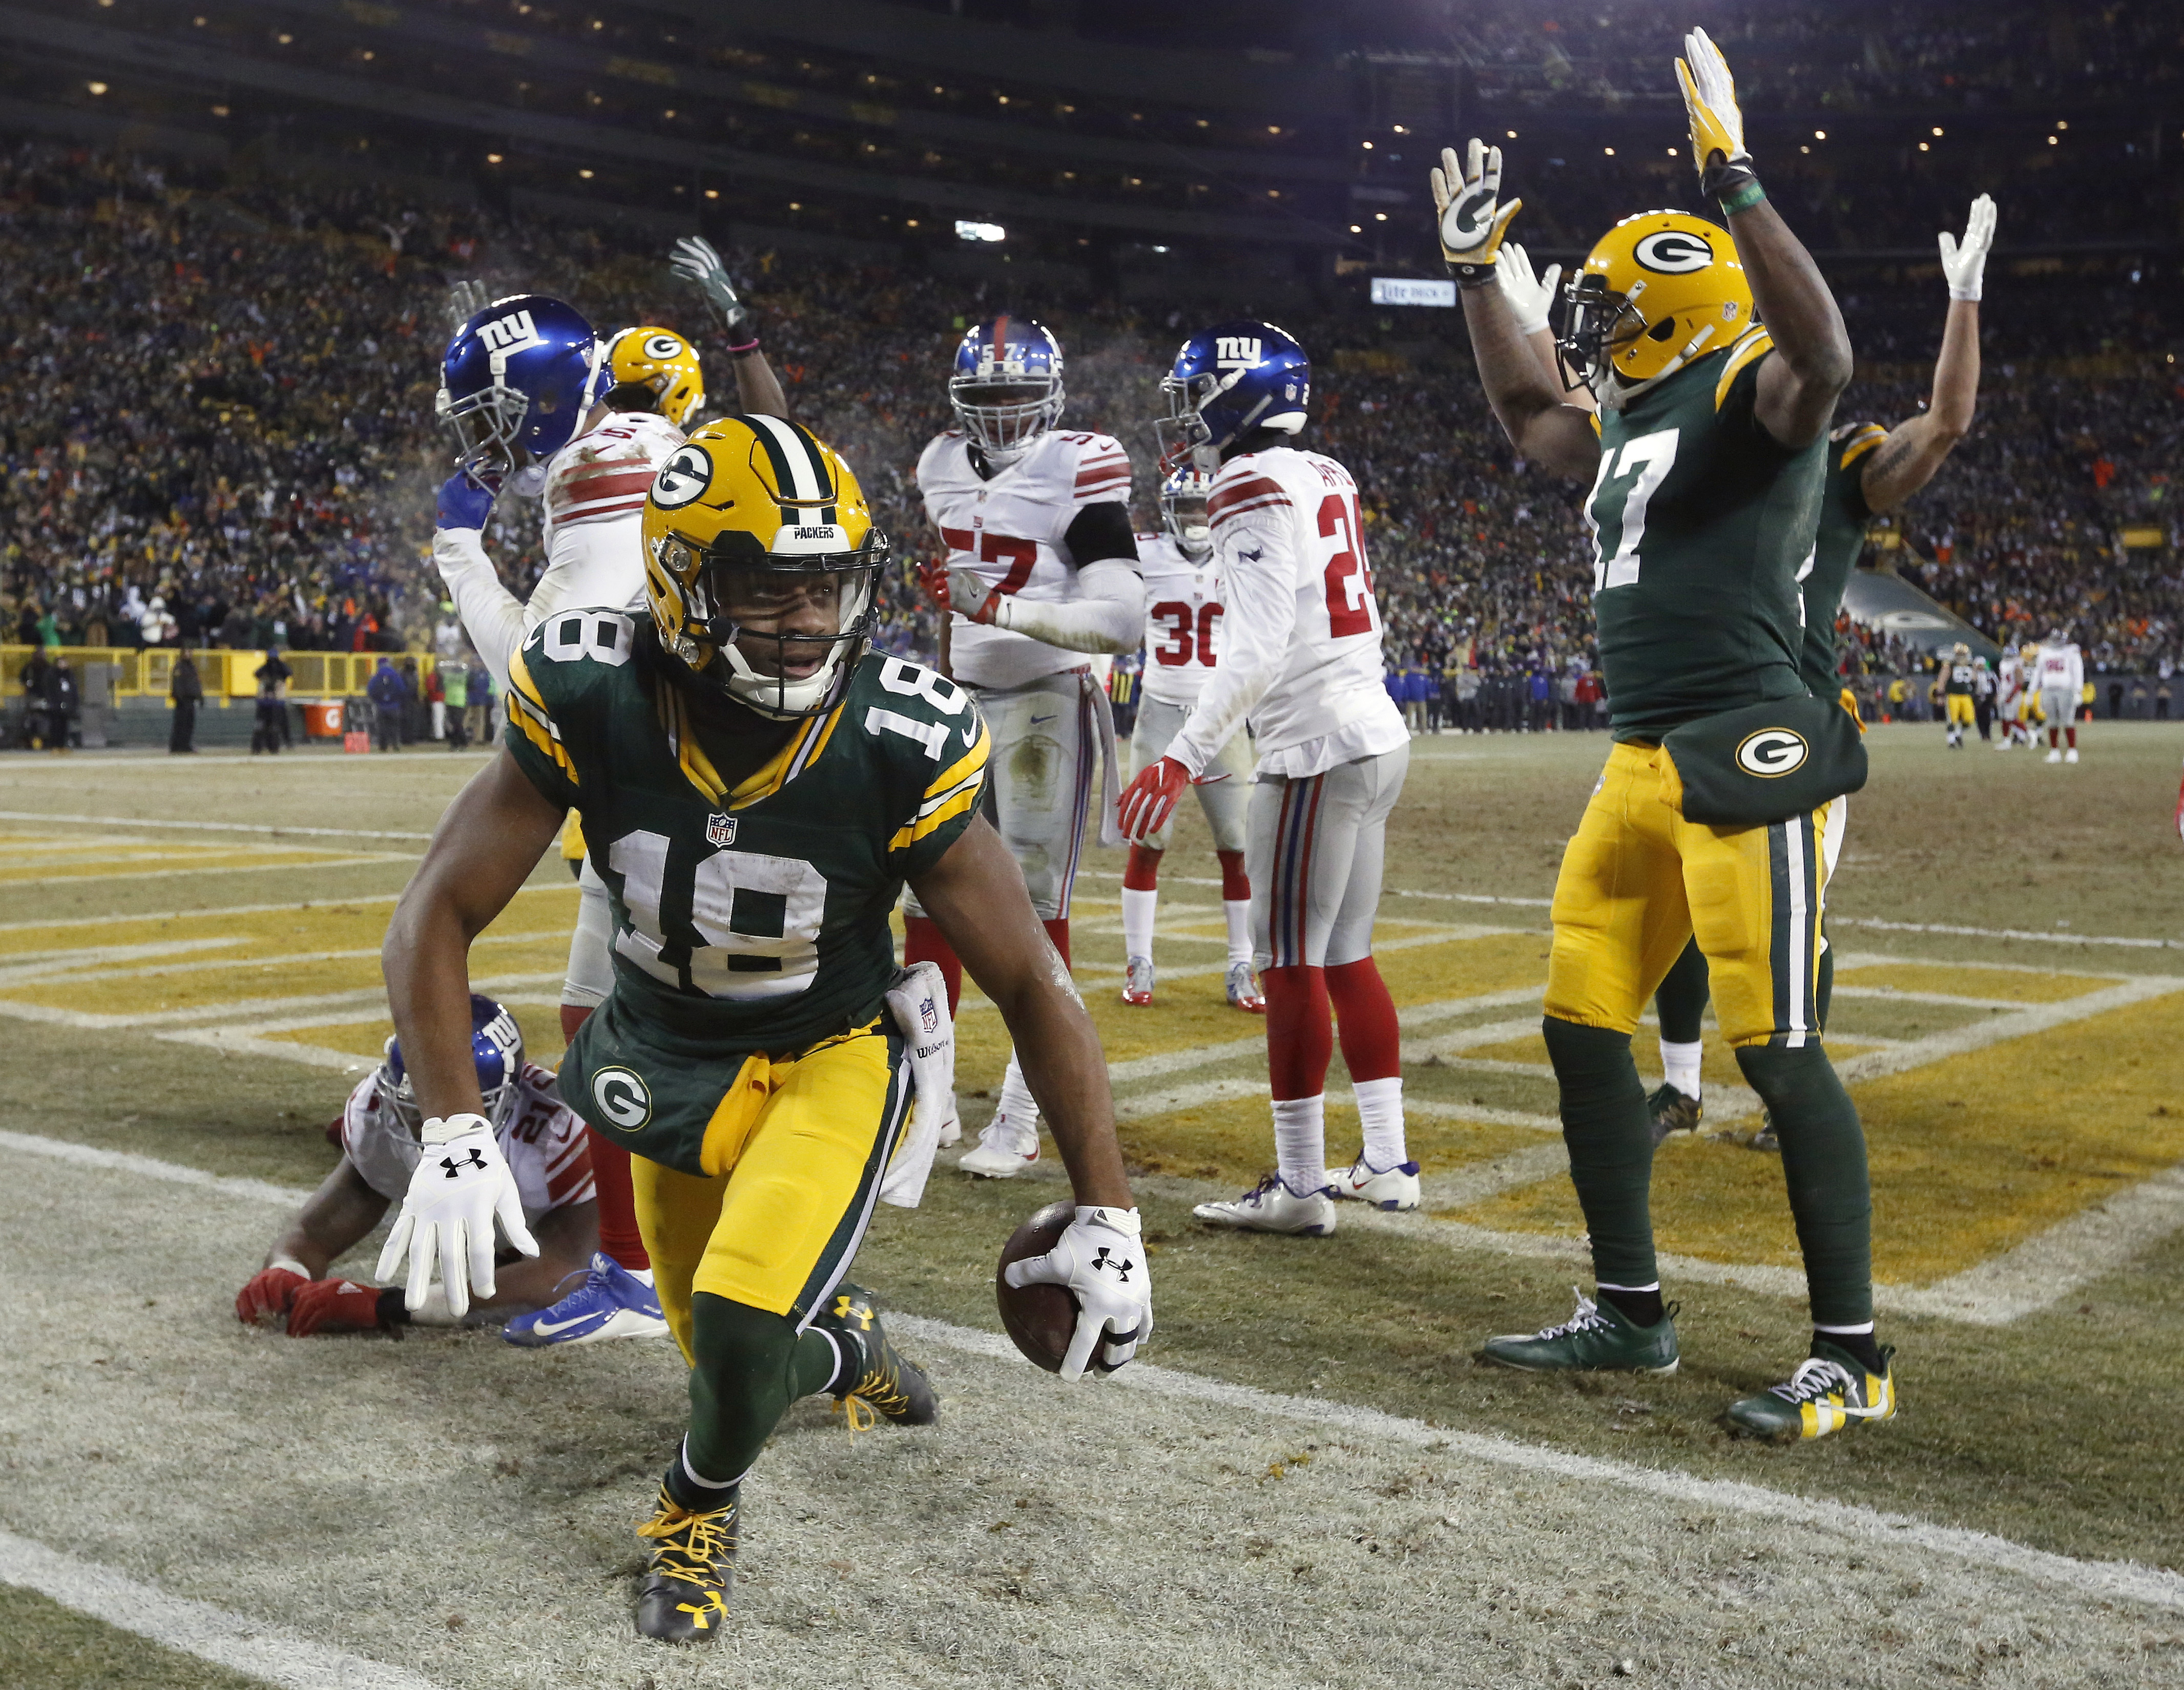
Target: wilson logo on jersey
682 478
1673 252
1236 352
507 333
623 1097
1772 752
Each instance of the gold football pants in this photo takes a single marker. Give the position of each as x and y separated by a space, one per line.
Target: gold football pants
1638 880
793 1159
1960 709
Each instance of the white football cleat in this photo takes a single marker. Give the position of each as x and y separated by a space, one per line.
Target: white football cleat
1138 982
2054 756
1271 1207
2070 755
1004 1149
1392 1189
1244 991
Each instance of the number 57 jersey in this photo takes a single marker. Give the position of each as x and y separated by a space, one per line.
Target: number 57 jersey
750 920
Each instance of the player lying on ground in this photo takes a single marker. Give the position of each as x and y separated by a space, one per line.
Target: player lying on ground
1708 459
757 789
543 1142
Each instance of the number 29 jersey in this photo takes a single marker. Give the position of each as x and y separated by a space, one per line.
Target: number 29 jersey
1009 528
1184 614
745 921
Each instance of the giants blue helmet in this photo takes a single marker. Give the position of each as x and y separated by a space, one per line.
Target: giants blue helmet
1227 380
1006 388
517 379
496 1048
1184 490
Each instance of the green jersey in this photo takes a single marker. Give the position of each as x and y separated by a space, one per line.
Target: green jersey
1701 523
748 920
1844 515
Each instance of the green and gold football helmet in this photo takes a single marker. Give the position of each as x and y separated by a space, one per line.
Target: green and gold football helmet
762 563
664 365
1657 291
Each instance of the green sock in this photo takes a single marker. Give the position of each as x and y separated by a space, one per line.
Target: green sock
1825 987
751 1365
1681 999
1824 1166
1610 1138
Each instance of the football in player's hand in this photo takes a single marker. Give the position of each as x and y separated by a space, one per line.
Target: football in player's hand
1038 1318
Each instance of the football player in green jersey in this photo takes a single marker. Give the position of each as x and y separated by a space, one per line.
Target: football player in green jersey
1871 470
1707 460
756 788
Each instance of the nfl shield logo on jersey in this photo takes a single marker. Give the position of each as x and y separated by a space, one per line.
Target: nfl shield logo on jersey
928 1015
720 831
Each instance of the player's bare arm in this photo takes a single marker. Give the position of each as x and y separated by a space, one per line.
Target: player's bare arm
333 1219
1915 447
1530 405
1799 385
975 894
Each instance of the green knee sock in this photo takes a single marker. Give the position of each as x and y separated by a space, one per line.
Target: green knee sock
1682 999
1823 1165
751 1365
1610 1139
1824 988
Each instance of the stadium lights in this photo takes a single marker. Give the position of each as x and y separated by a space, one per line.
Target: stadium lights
286 40
95 87
2061 123
1609 150
1937 130
490 157
1672 151
1356 230
1819 134
199 22
2053 142
220 111
1160 249
1925 147
910 222
979 231
1379 217
1804 149
1512 135
1400 130
669 112
586 175
712 193
1367 145
795 205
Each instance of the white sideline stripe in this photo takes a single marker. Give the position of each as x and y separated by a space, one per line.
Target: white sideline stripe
115 920
2113 1581
92 970
322 861
152 1168
195 1628
206 827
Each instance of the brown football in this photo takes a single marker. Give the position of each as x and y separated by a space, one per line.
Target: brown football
1038 1318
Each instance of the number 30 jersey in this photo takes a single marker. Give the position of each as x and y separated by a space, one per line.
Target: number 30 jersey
1009 529
745 921
1183 613
1701 525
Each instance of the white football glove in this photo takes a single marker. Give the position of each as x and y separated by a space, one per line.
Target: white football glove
1472 223
969 593
1101 1260
695 261
1531 297
1710 99
1964 262
465 300
461 1185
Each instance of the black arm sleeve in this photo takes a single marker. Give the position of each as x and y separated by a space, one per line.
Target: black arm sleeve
1102 532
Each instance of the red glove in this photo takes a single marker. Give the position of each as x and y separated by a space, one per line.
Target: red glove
1149 800
268 1296
933 578
334 1305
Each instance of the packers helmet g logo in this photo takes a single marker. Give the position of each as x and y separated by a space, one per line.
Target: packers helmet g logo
1673 252
1772 752
662 347
622 1096
682 478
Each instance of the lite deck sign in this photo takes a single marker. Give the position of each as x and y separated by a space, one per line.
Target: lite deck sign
1399 290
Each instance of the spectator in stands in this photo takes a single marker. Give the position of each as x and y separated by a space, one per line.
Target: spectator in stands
185 691
454 676
63 703
385 691
269 733
435 700
477 717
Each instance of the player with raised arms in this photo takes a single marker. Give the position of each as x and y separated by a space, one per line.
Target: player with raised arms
1183 638
756 788
1302 660
1041 573
1706 458
538 406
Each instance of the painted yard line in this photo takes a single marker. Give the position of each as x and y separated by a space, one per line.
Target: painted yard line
2093 1242
1138 1106
152 1168
2110 1580
357 997
206 827
560 883
229 1042
1892 959
1946 1000
224 868
251 1038
194 1628
35 964
1390 891
1453 934
1880 926
93 974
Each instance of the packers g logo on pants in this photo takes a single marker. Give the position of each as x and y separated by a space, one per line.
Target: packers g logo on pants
622 1096
1772 752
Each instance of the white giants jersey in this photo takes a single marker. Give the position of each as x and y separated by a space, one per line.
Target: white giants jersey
2008 681
1010 529
1183 615
595 488
2061 667
1290 549
545 1143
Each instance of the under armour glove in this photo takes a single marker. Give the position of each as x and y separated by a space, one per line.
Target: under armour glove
334 1305
1101 1258
465 300
1150 800
1964 262
1718 147
1531 297
695 261
462 1184
1472 220
464 501
267 1298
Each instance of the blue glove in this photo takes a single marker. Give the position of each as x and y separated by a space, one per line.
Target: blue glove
465 503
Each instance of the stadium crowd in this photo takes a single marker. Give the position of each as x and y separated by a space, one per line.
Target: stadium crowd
218 431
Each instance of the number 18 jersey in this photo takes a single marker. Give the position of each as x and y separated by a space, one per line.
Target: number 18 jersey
1701 523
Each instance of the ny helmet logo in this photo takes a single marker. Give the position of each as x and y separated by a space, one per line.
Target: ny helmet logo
1236 351
506 334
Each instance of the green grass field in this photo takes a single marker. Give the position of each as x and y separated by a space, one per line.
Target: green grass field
180 981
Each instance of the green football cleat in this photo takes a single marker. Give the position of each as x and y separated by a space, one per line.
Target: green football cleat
1829 1391
1599 1338
1672 1112
685 1596
879 1378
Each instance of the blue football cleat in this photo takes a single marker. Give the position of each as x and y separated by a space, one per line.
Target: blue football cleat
612 1303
